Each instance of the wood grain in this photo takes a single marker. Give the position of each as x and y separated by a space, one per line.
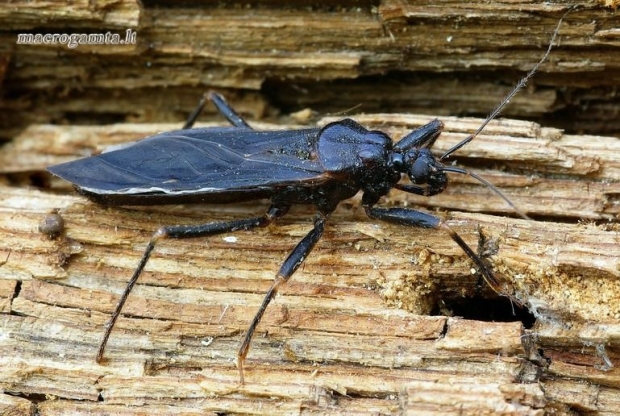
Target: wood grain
379 319
445 57
351 331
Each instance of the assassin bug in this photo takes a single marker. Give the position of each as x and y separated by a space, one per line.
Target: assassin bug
318 166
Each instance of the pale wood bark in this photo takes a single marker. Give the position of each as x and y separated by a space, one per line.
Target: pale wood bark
340 337
445 57
351 333
330 335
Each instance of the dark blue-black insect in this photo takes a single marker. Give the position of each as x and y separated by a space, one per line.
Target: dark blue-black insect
318 166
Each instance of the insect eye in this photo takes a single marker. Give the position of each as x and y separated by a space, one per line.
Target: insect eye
419 171
420 165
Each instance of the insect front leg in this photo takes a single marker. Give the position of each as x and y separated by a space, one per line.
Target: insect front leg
290 265
423 136
186 231
424 220
419 190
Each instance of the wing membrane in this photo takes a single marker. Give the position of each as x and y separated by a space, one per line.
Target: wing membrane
207 160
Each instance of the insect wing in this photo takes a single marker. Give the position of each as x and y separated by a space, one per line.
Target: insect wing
202 160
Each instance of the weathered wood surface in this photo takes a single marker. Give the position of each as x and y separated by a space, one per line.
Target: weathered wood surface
329 336
351 331
433 57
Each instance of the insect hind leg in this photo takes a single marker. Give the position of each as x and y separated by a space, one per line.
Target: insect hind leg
290 265
222 106
227 111
194 115
186 231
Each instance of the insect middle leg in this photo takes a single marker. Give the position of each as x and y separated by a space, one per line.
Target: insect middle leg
423 220
186 231
290 265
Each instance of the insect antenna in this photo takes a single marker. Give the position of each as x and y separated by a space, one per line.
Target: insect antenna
488 185
510 95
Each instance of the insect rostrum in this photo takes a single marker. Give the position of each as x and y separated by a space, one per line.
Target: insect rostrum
317 166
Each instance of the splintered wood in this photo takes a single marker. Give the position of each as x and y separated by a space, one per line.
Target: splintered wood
424 56
372 323
351 331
